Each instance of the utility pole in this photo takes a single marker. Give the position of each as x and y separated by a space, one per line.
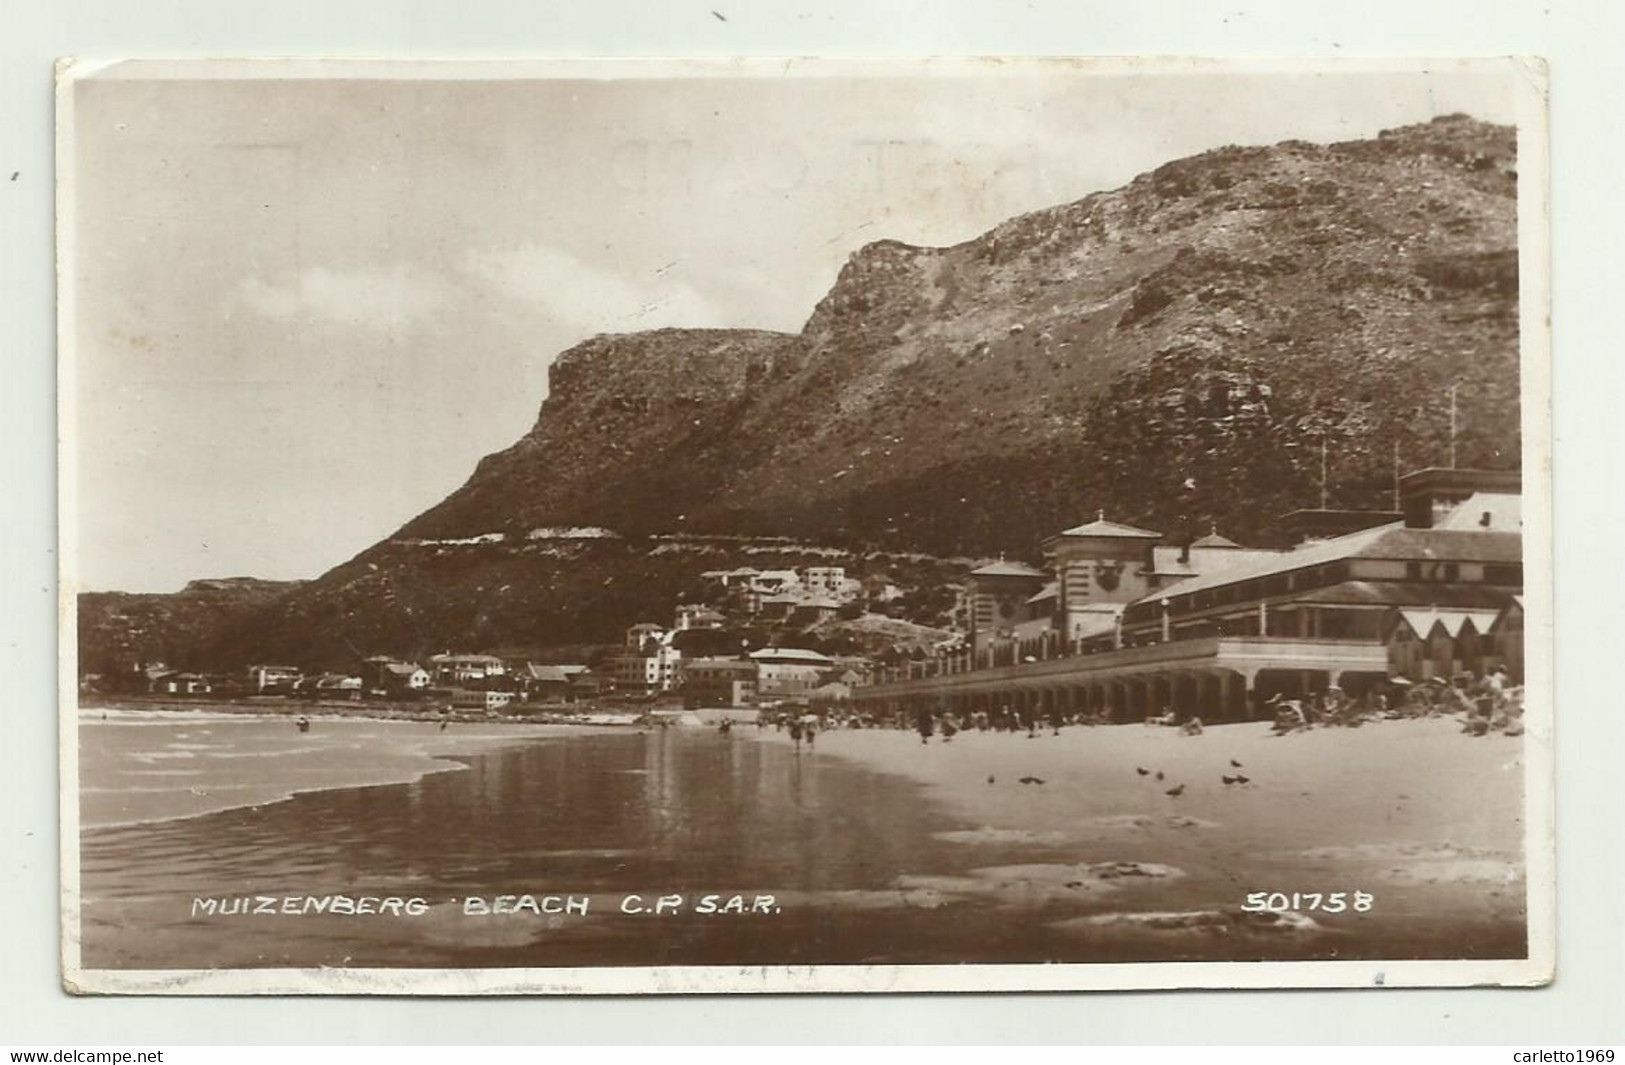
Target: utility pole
1453 425
1324 495
1396 476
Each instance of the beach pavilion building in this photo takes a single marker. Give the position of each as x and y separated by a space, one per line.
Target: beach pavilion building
1242 626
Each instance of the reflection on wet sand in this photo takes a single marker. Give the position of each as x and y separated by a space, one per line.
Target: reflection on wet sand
862 866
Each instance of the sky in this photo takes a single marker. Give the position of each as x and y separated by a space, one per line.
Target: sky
304 308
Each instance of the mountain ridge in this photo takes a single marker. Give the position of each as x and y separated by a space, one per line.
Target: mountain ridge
1175 351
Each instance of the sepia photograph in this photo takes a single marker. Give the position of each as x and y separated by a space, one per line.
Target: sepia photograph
666 526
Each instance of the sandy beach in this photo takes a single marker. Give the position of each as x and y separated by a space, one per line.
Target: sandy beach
1425 820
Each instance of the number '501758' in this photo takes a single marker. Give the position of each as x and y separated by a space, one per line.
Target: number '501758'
1325 902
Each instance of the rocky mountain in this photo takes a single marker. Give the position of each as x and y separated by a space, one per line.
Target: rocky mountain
1175 352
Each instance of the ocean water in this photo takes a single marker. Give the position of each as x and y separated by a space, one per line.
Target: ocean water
803 859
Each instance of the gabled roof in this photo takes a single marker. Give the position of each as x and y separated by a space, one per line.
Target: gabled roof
1488 511
554 673
732 665
1002 568
1052 590
403 669
1422 622
1213 539
1111 529
1166 561
1393 541
1409 594
790 654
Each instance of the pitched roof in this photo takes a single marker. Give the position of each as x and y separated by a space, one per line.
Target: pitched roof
1498 511
1411 594
1166 562
554 673
790 654
1052 590
1213 539
1002 568
1111 529
734 665
403 669
1393 541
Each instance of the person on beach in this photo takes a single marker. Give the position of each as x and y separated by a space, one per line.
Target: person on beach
812 732
923 724
795 733
303 724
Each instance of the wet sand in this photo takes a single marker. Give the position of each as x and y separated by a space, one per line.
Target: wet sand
1425 820
875 848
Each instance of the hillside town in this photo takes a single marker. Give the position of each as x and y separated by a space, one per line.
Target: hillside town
1367 608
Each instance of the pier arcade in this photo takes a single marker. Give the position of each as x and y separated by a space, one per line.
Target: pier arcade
1220 642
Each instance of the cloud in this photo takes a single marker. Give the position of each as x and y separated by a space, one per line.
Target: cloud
586 298
374 299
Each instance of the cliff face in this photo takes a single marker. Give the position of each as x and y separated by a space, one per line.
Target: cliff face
1173 351
1214 317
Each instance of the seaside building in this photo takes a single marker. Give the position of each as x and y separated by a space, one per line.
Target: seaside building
1428 643
331 686
1214 629
552 682
178 683
460 669
643 634
697 616
788 672
405 677
266 680
997 597
463 700
653 668
719 683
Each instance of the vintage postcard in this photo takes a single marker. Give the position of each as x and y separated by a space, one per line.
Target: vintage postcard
804 525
